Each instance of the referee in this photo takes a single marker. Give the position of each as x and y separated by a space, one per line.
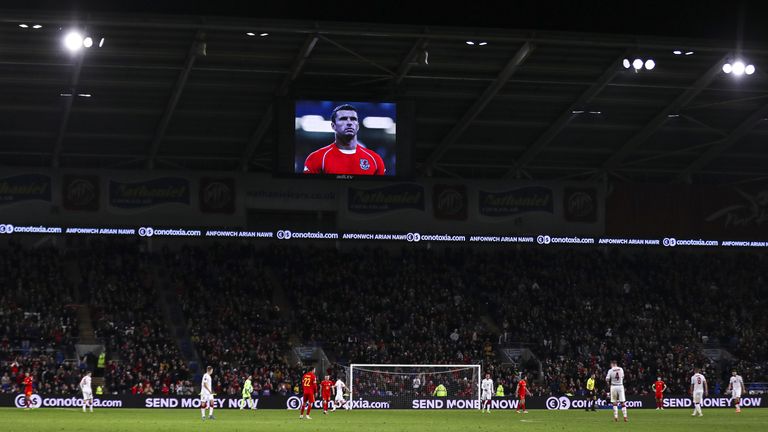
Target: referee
591 394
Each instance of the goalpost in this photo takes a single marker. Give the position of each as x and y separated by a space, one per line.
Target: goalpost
401 383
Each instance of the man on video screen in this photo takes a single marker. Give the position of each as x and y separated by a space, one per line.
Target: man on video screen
345 155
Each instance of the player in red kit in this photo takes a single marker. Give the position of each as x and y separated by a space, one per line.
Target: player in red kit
659 387
325 392
521 391
27 390
345 155
309 386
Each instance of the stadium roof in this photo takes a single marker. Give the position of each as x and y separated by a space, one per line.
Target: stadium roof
193 92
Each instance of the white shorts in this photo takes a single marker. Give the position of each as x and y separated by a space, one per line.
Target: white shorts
617 394
339 397
698 396
487 396
206 397
87 395
736 394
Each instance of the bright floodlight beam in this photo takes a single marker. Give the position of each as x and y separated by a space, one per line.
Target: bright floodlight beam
637 64
749 69
727 68
87 42
73 41
626 63
738 68
650 64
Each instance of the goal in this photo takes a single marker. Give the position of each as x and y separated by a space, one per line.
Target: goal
399 385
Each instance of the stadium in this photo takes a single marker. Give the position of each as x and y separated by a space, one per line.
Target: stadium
228 219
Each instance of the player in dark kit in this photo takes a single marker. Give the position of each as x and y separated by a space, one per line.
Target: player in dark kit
345 155
325 392
309 386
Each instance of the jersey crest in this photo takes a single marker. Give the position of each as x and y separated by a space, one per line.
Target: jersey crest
364 164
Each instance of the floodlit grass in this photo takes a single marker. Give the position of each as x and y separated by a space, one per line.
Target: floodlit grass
186 420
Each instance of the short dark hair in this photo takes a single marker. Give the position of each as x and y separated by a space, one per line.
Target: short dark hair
209 368
344 107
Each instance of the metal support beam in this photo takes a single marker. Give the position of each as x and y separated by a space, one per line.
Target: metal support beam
196 47
73 82
410 60
266 119
458 129
355 54
562 121
659 119
719 146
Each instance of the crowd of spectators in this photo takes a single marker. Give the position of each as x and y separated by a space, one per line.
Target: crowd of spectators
122 287
38 324
574 309
226 293
371 306
653 312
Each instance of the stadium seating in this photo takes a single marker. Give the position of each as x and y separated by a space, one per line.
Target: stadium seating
37 322
575 310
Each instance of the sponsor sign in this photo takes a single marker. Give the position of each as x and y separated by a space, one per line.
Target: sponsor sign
516 201
80 192
449 202
217 195
149 193
294 402
25 187
580 204
729 212
738 209
400 196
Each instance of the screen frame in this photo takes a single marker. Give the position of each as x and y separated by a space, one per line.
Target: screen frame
286 148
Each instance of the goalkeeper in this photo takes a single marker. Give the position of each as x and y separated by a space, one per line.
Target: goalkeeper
247 390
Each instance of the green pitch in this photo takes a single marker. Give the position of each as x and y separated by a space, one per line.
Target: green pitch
146 420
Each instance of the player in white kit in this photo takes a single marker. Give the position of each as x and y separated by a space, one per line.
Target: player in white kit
736 387
698 390
85 386
487 393
206 394
339 400
615 379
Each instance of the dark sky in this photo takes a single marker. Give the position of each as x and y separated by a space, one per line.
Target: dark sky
698 19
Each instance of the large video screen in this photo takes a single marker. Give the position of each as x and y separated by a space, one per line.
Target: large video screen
345 138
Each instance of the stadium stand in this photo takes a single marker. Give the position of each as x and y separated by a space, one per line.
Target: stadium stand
37 321
655 312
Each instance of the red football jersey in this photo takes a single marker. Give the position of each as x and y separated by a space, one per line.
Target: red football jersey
28 383
658 386
325 386
309 382
332 160
522 385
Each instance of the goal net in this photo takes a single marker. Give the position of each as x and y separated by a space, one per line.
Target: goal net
401 385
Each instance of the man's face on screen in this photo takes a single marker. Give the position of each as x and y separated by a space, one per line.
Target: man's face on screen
346 123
